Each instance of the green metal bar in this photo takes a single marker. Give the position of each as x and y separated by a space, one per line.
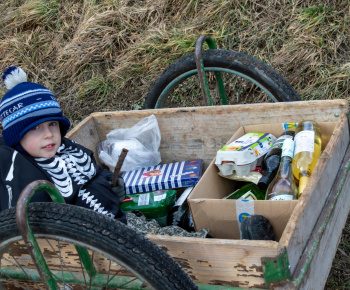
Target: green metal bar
98 281
201 71
86 261
221 88
276 269
28 236
24 228
218 75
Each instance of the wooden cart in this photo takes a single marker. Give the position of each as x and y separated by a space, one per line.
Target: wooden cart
303 255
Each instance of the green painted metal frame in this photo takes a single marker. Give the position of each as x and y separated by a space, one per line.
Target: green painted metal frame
29 238
201 71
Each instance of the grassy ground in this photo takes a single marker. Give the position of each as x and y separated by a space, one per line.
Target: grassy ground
104 55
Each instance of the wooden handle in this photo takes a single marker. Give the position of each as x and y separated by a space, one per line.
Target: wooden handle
118 167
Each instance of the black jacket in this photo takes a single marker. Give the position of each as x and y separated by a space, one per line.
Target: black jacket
73 170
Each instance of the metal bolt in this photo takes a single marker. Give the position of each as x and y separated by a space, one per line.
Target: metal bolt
336 115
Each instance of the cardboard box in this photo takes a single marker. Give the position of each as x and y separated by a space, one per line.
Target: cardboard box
223 217
164 176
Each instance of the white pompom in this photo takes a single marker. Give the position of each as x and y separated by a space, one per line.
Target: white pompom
13 76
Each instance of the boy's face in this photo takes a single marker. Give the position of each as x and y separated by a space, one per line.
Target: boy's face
43 140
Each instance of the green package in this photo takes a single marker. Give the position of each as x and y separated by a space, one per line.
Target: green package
154 205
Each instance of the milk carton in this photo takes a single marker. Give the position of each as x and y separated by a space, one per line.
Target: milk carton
242 154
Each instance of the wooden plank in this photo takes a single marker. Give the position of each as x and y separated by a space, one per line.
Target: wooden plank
306 213
322 262
233 263
198 132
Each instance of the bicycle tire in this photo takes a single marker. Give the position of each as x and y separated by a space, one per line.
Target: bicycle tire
62 223
244 66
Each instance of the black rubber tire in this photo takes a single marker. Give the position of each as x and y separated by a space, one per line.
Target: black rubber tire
238 62
97 231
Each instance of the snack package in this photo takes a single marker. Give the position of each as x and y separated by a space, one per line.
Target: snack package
164 176
154 204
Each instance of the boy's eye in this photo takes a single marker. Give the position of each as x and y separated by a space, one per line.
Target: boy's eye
54 123
36 127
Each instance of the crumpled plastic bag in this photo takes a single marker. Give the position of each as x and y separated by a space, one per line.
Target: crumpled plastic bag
142 140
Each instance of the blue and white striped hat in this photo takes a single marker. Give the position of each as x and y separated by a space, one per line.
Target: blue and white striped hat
25 106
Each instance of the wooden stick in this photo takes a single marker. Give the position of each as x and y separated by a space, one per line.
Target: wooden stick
118 167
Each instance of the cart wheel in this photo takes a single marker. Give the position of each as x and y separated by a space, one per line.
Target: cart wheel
119 258
246 80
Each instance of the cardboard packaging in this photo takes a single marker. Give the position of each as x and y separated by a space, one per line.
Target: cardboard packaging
241 155
223 216
164 176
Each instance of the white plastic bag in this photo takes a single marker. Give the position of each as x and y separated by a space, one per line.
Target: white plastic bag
142 140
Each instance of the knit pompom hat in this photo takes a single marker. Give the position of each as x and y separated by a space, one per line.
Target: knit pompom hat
25 106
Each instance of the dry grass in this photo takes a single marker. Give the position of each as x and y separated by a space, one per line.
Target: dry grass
104 55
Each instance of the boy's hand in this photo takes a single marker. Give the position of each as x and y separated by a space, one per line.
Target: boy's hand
119 190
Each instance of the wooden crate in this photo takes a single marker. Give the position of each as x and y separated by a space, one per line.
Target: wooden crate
309 241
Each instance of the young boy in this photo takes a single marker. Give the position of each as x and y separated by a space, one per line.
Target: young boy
33 147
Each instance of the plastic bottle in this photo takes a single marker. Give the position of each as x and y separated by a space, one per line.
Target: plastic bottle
248 191
272 160
308 146
283 186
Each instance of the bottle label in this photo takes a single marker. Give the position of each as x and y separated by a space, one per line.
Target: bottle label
289 126
248 196
143 199
304 141
279 142
244 208
281 196
288 148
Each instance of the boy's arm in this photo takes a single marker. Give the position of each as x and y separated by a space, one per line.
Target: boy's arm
106 174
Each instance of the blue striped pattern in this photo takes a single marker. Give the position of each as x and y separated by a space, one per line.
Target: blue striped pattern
167 176
28 110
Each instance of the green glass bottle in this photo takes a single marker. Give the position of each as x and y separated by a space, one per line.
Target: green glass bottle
248 191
